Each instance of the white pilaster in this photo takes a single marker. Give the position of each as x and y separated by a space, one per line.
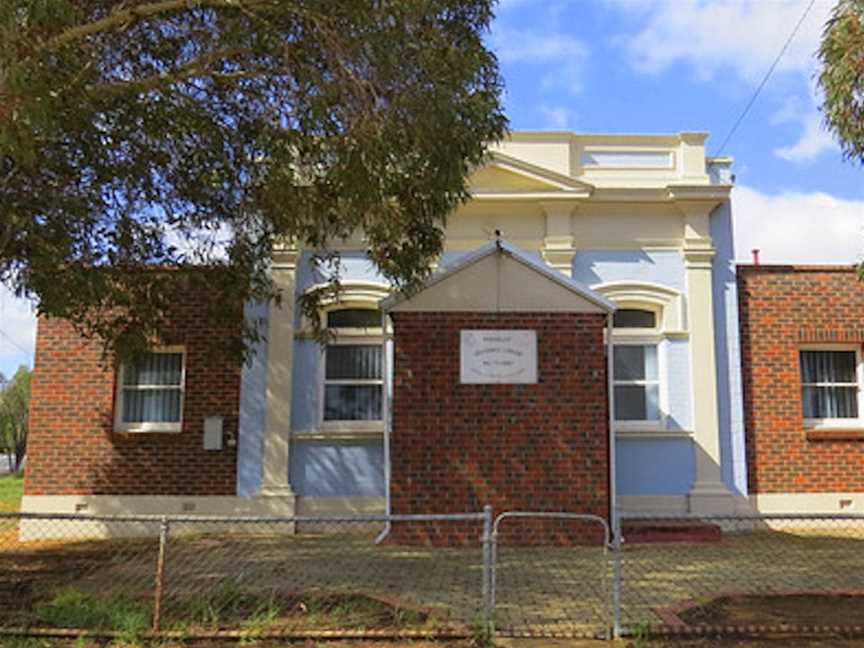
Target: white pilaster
559 244
280 352
708 494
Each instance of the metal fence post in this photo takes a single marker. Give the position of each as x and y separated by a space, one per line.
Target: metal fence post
160 574
488 584
616 579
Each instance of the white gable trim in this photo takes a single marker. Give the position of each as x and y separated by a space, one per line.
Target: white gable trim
507 249
554 181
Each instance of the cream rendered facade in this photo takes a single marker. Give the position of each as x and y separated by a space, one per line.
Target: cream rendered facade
559 196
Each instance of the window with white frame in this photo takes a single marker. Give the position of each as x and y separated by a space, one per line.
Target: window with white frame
354 367
830 386
635 372
150 392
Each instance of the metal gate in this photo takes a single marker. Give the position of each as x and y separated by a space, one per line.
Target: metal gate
550 575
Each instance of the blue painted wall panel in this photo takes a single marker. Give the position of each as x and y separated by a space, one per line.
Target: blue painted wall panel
321 469
727 348
654 466
651 466
659 266
679 395
306 386
253 409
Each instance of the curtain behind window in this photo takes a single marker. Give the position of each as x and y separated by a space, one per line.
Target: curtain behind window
829 384
151 389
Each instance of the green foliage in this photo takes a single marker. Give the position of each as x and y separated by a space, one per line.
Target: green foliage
11 490
176 133
27 642
71 608
14 414
263 619
841 79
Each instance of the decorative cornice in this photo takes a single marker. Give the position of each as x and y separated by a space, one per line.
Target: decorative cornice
699 257
521 196
284 259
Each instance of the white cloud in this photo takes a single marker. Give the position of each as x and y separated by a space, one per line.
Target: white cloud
556 117
795 227
744 36
739 36
814 139
560 56
18 326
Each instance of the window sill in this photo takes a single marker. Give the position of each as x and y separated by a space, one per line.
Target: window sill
652 433
836 434
149 429
337 435
648 425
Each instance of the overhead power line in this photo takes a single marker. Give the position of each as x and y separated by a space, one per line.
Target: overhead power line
765 79
14 343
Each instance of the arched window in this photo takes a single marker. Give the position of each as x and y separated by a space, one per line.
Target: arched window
353 373
647 315
353 367
635 367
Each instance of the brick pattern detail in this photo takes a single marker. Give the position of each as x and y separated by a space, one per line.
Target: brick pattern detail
542 447
72 446
783 308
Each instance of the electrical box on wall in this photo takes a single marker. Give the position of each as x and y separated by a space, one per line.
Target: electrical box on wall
213 433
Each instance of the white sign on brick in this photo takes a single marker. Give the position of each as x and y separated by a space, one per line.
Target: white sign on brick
498 357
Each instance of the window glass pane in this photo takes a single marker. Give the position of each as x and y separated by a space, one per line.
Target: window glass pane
151 405
630 403
651 371
830 402
637 403
828 367
635 362
629 362
634 318
352 403
353 361
354 318
155 369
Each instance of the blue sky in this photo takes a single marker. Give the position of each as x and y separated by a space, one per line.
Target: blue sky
666 66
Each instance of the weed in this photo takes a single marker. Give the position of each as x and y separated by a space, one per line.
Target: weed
480 636
640 633
262 620
25 642
71 608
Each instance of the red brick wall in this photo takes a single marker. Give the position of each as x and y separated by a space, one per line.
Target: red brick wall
541 447
72 446
783 308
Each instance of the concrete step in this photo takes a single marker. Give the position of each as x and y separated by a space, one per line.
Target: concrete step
659 531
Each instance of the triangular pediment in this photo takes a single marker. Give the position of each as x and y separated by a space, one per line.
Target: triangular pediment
500 278
505 174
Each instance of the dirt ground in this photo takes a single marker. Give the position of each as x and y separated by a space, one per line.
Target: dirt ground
535 586
706 642
797 609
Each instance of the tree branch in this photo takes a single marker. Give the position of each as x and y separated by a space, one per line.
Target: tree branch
125 16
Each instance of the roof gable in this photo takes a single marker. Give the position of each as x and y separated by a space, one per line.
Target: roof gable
500 277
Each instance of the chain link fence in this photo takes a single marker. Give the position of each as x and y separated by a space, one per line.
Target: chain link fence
740 573
523 574
358 576
550 575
